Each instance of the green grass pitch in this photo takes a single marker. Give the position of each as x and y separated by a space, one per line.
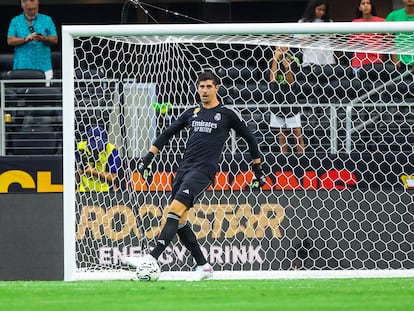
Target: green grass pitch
387 294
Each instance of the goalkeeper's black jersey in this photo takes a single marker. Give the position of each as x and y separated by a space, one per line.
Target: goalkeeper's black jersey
208 131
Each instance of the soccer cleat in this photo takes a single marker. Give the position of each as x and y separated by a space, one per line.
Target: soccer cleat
204 272
138 261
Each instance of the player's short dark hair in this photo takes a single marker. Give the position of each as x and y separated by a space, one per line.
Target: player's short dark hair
208 75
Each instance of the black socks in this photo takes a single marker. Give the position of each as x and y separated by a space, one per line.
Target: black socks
166 235
186 236
189 240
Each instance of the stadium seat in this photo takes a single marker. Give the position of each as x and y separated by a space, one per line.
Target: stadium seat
41 126
34 139
24 74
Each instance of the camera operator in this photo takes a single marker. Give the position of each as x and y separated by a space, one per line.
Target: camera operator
97 162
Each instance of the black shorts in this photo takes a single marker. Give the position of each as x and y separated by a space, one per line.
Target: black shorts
189 186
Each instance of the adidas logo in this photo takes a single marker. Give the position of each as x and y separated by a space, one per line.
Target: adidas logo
186 191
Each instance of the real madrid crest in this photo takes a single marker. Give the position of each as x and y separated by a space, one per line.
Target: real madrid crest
196 110
217 117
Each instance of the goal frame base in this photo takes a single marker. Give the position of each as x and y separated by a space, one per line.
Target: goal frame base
252 275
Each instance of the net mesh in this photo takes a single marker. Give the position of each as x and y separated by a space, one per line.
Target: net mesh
343 204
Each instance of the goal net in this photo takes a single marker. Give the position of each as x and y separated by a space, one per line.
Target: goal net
344 207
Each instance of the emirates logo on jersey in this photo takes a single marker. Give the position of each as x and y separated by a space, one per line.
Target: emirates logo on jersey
217 117
203 126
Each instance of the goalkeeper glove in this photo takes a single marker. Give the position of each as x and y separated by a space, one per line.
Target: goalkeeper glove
144 166
259 179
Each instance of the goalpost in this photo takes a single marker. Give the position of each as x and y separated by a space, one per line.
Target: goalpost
342 209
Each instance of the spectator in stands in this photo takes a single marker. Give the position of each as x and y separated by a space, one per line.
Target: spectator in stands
317 60
98 162
366 12
282 77
403 61
32 34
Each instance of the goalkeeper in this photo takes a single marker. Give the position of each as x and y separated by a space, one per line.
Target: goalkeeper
209 127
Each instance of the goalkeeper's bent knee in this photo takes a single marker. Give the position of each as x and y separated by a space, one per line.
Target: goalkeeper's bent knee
177 208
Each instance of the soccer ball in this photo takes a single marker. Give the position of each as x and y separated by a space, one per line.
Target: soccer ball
148 271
